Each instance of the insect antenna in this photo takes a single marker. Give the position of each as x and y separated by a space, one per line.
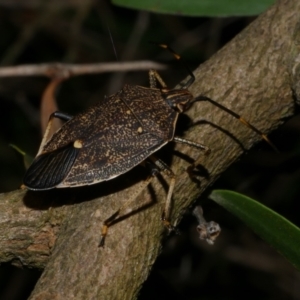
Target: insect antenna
178 57
112 43
204 98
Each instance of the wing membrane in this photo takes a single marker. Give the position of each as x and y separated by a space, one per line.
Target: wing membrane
50 169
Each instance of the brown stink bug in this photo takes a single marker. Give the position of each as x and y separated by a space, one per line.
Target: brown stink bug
117 134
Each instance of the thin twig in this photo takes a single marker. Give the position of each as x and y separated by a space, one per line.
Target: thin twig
66 70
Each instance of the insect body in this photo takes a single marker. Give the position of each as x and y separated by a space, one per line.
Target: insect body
114 136
108 139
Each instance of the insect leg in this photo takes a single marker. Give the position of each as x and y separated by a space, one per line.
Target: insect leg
238 117
156 166
59 115
191 168
125 209
204 98
168 205
198 146
154 77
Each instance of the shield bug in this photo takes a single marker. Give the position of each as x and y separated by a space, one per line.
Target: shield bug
117 134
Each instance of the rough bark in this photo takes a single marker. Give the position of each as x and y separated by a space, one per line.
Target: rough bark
255 75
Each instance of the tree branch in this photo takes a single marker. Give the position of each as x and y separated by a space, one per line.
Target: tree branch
254 75
60 70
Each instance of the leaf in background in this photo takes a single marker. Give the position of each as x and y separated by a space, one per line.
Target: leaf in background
280 233
204 8
27 158
49 105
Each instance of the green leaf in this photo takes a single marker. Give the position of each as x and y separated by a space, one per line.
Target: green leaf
204 8
26 158
280 233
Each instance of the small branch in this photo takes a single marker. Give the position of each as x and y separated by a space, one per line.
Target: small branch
60 70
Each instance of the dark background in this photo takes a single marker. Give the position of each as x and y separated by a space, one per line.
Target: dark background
240 265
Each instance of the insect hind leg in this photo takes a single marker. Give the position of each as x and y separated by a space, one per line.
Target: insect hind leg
156 166
126 209
162 167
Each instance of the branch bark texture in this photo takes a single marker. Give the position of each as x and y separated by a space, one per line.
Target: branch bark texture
255 75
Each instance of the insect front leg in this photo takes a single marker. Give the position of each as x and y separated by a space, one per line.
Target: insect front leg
58 115
154 77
